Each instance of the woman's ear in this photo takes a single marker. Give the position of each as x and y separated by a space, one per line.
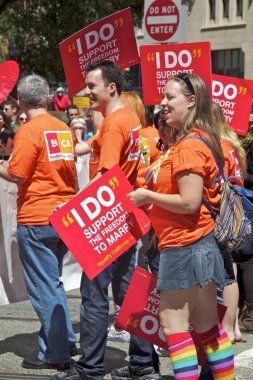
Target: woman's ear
191 101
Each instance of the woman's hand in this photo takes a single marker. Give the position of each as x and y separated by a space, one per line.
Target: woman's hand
139 197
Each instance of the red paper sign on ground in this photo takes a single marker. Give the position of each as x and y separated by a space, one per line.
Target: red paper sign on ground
139 312
109 38
235 97
100 223
159 62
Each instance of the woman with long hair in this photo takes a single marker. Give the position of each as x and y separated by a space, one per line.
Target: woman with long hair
191 265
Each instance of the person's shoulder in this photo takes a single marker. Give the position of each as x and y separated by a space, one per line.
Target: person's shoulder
226 146
193 142
125 115
61 115
44 121
150 131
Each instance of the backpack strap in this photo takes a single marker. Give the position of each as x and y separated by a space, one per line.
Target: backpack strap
209 146
209 208
204 201
221 171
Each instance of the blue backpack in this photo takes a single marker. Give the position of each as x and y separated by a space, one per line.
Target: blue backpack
233 221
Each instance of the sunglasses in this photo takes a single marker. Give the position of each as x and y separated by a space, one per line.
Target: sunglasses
23 118
186 79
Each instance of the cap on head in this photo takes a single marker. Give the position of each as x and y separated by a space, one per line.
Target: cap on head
60 89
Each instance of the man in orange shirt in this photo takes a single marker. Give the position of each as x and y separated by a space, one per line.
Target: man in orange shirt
116 143
42 165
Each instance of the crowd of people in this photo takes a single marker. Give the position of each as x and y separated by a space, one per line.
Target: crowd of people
166 160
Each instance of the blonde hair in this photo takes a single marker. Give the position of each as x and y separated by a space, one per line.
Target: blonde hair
229 135
79 120
133 101
199 115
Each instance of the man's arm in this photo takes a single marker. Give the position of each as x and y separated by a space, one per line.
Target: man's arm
9 177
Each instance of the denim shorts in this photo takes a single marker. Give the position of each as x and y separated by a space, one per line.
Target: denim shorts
196 264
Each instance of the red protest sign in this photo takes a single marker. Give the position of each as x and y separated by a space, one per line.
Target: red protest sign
100 223
104 39
159 62
235 97
9 72
141 317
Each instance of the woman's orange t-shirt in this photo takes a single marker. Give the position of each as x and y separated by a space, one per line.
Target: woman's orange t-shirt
194 156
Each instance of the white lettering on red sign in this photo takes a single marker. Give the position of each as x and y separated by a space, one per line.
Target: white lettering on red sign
150 325
92 38
172 59
229 91
92 206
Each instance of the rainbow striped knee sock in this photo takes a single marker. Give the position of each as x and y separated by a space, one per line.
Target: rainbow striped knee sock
183 356
219 352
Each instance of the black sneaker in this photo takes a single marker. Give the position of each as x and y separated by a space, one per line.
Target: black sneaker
206 373
73 352
72 374
34 363
139 372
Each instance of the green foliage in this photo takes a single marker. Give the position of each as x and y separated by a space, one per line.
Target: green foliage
31 30
34 29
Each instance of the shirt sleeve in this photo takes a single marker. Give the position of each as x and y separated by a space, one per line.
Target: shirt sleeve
24 155
190 156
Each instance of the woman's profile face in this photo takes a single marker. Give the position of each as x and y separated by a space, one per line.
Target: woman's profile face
174 104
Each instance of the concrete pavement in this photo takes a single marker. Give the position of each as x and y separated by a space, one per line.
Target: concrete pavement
18 339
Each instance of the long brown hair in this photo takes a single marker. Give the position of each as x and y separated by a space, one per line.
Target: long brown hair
199 115
229 135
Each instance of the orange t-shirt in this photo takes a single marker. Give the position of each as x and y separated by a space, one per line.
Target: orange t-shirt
43 155
150 139
174 229
117 143
232 167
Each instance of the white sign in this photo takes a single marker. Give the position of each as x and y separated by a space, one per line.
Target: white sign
164 21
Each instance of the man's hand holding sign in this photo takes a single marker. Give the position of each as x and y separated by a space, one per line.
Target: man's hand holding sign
100 223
